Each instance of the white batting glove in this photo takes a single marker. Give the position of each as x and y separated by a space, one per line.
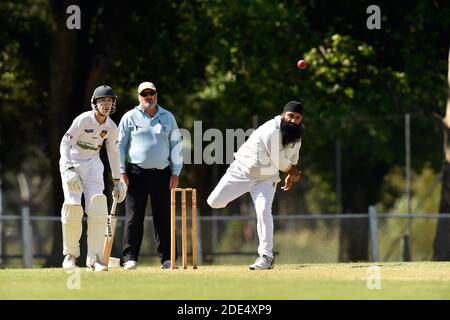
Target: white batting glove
119 190
73 180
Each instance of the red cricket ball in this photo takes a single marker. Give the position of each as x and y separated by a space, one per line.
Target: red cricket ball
301 64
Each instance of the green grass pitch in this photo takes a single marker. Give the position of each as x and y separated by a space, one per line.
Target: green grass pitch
423 280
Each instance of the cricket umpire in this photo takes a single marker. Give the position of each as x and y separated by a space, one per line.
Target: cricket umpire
150 141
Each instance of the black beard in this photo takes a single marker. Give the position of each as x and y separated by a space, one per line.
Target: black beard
290 132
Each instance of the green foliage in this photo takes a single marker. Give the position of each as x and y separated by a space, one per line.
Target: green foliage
223 62
247 65
425 192
22 94
343 103
319 197
234 237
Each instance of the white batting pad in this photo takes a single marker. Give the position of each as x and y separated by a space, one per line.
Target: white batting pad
97 220
71 216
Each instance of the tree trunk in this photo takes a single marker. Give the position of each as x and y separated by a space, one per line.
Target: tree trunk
357 194
76 69
353 233
442 238
65 102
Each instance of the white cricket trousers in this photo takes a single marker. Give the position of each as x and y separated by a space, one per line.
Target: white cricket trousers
91 171
237 182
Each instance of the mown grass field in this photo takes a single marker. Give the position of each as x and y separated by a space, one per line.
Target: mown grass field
424 280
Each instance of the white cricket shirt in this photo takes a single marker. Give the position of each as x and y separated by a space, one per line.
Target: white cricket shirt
263 154
83 140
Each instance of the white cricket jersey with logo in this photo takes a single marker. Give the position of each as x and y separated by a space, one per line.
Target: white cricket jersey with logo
256 170
263 154
84 139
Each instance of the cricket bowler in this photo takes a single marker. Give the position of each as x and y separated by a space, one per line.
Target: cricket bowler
271 148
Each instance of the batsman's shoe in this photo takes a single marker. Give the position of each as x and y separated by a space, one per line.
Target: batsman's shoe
263 263
97 266
69 262
130 265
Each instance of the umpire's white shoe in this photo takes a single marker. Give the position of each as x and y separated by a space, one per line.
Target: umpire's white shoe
130 265
97 266
167 265
69 262
263 263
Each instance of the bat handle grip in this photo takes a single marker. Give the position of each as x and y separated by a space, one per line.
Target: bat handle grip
113 207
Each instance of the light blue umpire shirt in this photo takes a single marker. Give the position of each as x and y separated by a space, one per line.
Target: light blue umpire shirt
150 142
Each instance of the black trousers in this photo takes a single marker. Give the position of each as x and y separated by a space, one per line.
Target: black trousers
143 183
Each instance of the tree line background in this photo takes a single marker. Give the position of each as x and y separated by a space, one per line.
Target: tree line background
223 63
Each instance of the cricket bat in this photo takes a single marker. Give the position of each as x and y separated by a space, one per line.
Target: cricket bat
109 234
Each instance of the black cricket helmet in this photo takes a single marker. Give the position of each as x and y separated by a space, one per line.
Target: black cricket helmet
104 91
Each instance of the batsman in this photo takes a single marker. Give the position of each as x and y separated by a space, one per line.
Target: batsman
271 148
82 173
